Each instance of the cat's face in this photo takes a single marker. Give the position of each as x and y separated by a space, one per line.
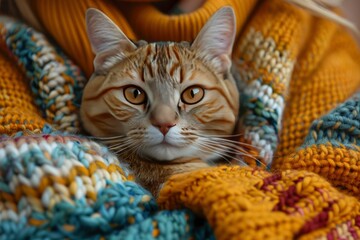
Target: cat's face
165 100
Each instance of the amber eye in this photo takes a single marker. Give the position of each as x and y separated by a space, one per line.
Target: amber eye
192 95
135 95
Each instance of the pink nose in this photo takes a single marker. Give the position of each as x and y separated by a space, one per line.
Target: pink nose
164 127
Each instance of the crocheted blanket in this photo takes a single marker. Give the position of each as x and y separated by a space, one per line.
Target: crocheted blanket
56 184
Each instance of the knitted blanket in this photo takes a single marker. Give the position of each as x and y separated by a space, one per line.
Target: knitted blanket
56 184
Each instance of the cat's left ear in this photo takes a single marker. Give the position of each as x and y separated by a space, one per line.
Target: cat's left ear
107 41
216 39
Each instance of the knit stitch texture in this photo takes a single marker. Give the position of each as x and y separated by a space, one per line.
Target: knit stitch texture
300 111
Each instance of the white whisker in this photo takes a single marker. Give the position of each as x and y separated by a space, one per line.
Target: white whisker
220 139
211 150
123 147
231 148
223 152
219 136
129 148
109 138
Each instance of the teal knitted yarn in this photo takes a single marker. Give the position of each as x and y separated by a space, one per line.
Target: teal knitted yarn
340 127
56 187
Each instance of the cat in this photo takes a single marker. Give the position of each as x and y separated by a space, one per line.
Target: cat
164 107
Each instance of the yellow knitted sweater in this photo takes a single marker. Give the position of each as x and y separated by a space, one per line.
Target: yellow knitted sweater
306 66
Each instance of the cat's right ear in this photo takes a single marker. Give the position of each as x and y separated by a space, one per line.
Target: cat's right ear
108 42
216 39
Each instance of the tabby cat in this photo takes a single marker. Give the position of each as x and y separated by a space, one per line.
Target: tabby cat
164 107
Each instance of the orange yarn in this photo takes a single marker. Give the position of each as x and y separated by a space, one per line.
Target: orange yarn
340 165
17 110
154 25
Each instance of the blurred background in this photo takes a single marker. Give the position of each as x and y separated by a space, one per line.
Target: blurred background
352 10
350 7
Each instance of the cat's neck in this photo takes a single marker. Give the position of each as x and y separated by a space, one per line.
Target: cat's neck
152 174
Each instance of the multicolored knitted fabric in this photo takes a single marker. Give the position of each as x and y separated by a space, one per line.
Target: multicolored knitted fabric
58 186
300 111
55 81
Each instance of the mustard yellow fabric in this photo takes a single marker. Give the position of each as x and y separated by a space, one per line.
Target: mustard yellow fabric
17 110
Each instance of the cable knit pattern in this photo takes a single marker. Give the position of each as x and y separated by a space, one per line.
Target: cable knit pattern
298 73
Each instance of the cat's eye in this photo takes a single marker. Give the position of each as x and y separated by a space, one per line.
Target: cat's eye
192 95
135 95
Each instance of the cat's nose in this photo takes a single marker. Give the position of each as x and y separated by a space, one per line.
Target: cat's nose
164 118
165 127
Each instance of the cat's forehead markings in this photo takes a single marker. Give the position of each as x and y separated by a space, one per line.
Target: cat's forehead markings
161 61
147 72
162 50
148 51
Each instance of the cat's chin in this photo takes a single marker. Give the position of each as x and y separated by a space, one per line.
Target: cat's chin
167 152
